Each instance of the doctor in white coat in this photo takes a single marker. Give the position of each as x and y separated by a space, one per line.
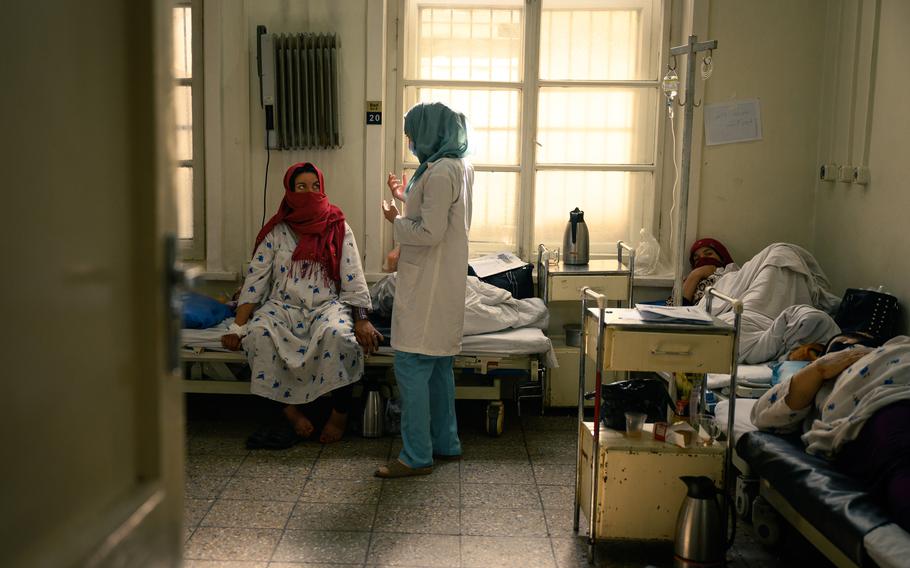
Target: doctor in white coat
428 313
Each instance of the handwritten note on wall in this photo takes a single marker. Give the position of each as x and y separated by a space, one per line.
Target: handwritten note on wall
737 121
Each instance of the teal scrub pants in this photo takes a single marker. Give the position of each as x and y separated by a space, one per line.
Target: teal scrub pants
428 424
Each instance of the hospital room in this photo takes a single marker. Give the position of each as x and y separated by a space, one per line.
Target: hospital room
456 283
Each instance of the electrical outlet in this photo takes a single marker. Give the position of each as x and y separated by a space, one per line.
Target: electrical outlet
827 172
845 174
861 175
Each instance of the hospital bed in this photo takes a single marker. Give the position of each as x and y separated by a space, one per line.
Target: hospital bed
830 509
486 362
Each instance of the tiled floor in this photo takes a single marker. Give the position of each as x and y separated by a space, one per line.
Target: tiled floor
508 503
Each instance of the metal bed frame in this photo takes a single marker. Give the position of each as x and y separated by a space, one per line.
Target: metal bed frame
200 364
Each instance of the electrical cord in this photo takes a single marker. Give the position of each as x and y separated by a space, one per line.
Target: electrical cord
675 180
265 184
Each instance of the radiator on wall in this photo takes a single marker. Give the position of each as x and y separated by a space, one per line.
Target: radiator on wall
298 82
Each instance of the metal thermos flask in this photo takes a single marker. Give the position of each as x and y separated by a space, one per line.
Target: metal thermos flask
372 414
700 535
575 245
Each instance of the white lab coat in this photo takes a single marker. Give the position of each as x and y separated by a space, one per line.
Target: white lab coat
428 313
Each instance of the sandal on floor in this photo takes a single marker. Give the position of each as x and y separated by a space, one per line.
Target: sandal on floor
395 469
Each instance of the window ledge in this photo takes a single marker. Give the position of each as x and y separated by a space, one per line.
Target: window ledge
660 278
212 275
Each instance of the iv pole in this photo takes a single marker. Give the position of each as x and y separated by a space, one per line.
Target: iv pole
689 49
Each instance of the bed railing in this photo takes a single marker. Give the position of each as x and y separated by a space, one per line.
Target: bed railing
729 478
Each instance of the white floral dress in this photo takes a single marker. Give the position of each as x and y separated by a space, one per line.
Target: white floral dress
300 342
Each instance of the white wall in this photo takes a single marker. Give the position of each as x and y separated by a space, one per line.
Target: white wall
861 234
235 150
754 193
786 53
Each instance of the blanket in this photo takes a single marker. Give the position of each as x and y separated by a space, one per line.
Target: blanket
786 302
487 308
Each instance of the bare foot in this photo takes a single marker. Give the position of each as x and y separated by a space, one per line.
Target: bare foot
301 423
334 428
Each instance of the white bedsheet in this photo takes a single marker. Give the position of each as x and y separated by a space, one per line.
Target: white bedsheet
888 545
742 422
487 308
522 341
749 375
784 293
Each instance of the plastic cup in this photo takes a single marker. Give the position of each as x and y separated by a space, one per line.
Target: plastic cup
707 426
634 423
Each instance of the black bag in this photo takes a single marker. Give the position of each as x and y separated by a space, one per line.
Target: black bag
637 395
870 313
517 281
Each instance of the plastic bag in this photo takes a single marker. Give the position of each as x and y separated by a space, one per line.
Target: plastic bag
637 395
382 294
200 312
647 254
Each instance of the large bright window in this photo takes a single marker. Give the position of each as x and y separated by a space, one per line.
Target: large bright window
187 27
562 99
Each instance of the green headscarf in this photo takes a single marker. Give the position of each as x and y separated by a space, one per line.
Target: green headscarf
437 132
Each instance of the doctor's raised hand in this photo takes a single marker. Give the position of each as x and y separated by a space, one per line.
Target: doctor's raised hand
396 186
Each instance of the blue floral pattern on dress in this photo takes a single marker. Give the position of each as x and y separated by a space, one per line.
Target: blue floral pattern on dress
300 336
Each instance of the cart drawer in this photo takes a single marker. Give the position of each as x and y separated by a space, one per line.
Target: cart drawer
626 350
569 287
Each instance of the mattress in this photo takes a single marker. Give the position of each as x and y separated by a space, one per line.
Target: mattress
746 375
742 422
521 341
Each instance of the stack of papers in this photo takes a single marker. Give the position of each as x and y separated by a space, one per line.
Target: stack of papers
673 314
495 264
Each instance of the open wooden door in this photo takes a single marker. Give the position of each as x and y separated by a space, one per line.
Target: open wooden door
91 414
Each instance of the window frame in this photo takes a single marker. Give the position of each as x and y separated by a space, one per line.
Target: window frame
529 88
194 248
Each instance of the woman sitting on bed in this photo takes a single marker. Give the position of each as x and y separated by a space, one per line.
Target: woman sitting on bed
310 331
853 407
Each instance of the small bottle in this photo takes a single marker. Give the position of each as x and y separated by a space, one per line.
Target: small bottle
670 85
697 399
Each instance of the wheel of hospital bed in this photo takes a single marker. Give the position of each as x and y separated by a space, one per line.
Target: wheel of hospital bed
746 492
494 418
765 523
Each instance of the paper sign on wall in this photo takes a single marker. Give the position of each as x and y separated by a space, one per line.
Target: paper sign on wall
737 121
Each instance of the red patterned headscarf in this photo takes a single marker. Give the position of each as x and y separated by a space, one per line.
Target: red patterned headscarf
718 247
318 224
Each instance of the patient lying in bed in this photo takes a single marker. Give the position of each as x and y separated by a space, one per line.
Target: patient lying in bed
853 407
786 299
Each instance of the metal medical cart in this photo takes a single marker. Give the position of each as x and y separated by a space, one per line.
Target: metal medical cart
619 340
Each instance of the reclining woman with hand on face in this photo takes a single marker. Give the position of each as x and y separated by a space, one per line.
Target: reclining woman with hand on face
310 332
708 258
853 407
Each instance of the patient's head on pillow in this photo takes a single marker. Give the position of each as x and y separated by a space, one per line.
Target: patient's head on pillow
807 352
